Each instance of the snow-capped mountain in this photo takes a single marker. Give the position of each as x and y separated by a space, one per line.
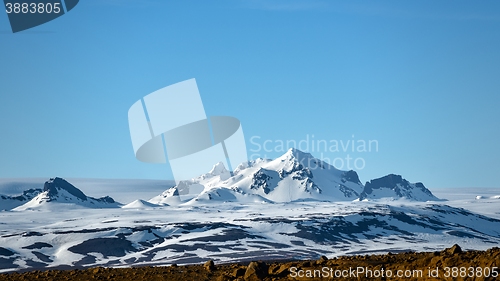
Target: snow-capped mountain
10 202
394 186
58 190
294 176
139 204
61 233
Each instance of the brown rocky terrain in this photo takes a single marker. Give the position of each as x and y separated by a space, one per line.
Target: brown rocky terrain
449 264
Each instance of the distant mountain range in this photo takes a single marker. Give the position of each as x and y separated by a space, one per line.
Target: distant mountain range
292 207
10 202
295 176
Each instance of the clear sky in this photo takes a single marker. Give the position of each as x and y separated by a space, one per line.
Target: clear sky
421 78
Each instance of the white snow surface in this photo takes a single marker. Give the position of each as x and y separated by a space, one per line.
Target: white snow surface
267 209
487 204
140 204
144 234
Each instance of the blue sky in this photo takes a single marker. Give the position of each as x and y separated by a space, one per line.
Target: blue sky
419 77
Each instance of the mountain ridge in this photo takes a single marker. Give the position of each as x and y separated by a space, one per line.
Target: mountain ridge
294 176
8 202
58 190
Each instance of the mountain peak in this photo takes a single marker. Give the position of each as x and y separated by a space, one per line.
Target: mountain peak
218 169
295 175
54 184
396 186
139 204
296 157
294 153
61 191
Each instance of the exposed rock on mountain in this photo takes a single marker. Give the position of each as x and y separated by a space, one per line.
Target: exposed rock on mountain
295 176
58 190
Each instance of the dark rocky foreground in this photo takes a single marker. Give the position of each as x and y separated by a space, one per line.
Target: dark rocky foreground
449 264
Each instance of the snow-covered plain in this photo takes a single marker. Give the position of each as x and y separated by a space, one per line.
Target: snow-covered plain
238 217
234 232
484 201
